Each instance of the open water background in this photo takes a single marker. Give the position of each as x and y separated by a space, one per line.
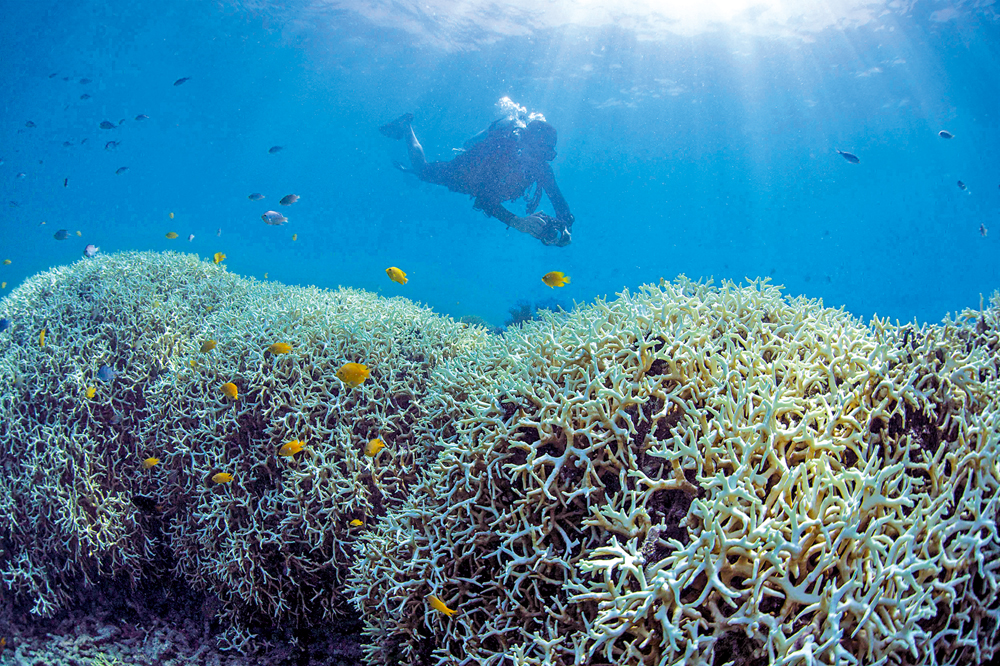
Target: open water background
700 143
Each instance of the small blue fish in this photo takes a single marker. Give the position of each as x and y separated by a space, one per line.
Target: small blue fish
180 81
30 124
107 124
256 196
945 134
84 81
853 159
4 324
275 149
105 373
84 96
111 145
67 144
142 116
62 234
120 170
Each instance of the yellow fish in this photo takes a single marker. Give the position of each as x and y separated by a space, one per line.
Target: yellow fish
149 463
171 216
171 235
353 374
396 275
291 448
6 262
3 285
222 477
355 523
41 338
78 233
439 605
207 346
265 276
193 363
91 392
230 391
218 257
555 279
295 237
373 447
280 348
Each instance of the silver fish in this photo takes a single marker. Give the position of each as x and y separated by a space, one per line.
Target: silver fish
274 218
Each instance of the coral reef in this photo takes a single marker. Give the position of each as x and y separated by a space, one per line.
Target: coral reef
698 475
684 475
77 505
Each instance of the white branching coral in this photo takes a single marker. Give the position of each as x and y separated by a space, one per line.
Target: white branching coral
76 502
692 475
685 475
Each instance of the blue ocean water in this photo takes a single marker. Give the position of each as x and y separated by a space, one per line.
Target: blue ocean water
691 140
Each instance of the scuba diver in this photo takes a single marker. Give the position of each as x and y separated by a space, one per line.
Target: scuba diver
499 164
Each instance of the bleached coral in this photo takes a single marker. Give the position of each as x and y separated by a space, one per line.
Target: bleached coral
75 501
692 475
686 475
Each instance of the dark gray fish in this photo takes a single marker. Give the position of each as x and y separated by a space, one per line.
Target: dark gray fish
275 149
142 116
116 419
107 124
62 234
256 196
946 135
853 159
180 81
962 186
84 96
84 81
66 182
121 170
289 199
4 324
111 145
105 373
30 124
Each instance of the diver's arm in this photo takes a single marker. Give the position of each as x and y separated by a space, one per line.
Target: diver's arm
547 180
533 225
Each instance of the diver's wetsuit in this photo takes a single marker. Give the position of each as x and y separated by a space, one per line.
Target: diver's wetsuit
500 166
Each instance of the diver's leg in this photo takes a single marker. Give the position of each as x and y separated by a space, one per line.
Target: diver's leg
417 158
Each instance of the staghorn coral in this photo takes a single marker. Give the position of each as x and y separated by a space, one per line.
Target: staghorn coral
76 504
687 475
698 475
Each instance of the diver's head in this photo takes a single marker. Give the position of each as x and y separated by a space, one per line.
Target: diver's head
541 138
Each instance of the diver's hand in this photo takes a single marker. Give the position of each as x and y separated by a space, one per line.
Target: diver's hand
535 225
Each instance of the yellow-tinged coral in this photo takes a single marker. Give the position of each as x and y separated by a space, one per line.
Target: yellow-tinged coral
693 475
686 475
